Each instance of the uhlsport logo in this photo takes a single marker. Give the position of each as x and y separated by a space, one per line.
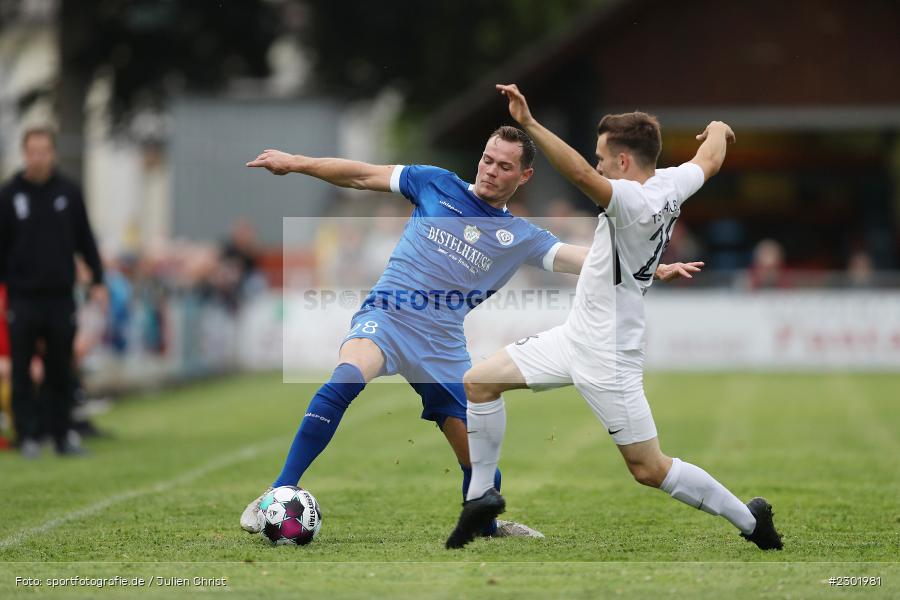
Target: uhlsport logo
505 237
471 234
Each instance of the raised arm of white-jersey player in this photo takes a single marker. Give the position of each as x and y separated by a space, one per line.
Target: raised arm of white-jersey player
337 171
711 153
563 157
569 259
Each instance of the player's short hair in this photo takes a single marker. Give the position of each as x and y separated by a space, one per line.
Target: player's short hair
636 131
45 130
508 133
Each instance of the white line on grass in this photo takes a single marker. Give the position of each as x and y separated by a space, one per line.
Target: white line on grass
245 453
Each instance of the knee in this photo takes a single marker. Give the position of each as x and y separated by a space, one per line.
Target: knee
364 355
477 392
649 474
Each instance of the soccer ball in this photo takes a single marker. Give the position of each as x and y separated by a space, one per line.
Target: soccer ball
291 516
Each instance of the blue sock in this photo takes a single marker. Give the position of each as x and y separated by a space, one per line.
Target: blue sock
467 478
321 421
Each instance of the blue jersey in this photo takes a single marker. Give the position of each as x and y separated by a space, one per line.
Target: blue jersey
455 252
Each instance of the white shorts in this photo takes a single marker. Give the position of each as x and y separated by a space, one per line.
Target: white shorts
611 382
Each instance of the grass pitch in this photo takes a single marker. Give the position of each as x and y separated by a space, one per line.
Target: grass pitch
161 497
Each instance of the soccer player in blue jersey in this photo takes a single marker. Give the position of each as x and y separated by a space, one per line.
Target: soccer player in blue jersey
460 246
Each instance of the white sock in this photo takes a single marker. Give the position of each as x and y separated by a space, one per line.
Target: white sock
486 425
695 487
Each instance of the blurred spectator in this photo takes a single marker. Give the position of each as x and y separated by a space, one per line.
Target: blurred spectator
725 242
43 224
568 224
767 270
558 218
349 266
860 273
683 246
92 327
240 257
5 399
385 230
118 281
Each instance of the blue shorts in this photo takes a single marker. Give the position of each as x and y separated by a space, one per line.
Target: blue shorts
434 367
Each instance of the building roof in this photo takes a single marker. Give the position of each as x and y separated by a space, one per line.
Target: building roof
820 64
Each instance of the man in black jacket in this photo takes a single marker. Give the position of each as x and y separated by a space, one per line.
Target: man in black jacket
43 224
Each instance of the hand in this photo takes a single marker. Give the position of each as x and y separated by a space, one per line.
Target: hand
276 161
729 134
518 107
678 270
99 295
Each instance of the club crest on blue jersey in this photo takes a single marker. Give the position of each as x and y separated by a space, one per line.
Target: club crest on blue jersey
505 237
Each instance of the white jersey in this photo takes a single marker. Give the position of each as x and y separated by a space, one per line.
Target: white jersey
591 322
644 216
599 347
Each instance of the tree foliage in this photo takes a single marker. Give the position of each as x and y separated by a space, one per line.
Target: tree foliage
429 50
152 47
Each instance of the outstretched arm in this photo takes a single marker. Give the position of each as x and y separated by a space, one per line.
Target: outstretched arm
677 270
711 153
563 157
336 171
570 258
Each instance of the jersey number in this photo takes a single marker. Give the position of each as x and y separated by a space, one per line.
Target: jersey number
367 327
663 235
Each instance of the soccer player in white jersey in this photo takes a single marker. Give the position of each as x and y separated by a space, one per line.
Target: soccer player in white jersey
600 347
